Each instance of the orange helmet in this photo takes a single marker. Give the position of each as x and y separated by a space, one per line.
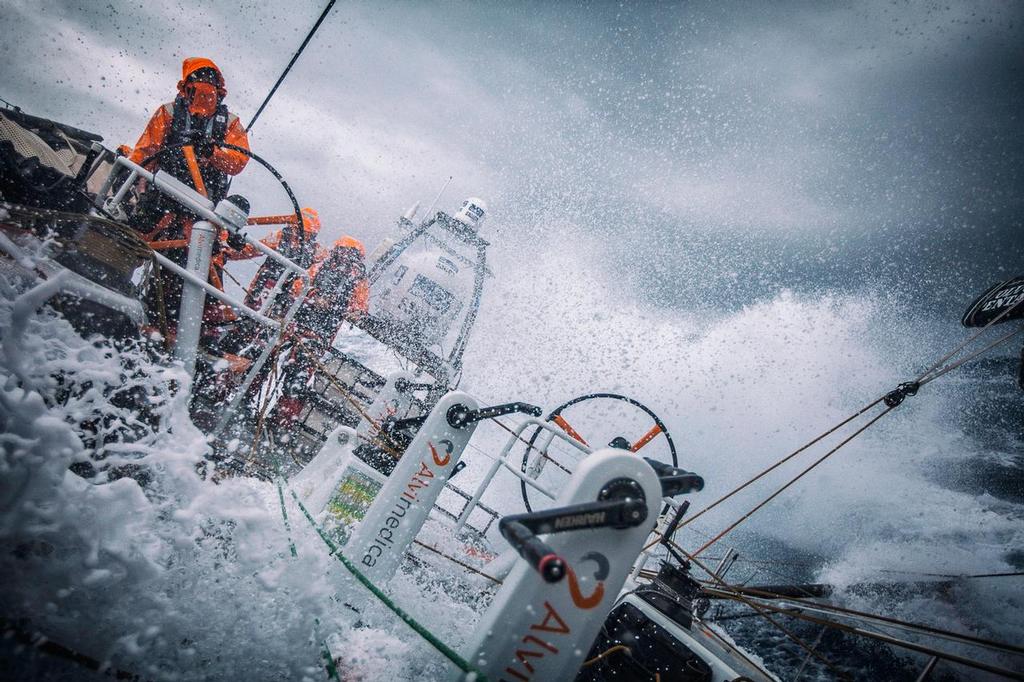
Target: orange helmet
310 221
193 64
351 243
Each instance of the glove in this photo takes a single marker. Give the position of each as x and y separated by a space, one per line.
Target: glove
204 149
236 240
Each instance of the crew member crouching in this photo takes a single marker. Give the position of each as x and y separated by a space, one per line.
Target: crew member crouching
339 292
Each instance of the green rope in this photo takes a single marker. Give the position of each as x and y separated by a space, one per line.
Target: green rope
287 525
325 651
447 651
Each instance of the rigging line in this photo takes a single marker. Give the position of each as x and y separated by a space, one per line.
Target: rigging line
799 602
438 552
807 659
782 461
782 628
794 480
969 576
923 379
288 68
995 320
895 641
970 357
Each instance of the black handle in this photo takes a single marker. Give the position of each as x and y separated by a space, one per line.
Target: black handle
670 530
675 481
536 552
521 530
459 415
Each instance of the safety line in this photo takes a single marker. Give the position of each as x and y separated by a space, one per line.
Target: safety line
284 514
438 552
423 632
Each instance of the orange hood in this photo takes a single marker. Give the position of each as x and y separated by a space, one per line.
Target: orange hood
310 221
193 64
352 243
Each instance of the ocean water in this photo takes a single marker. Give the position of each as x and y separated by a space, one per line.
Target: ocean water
191 579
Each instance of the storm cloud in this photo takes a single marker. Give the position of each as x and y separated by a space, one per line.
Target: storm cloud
701 151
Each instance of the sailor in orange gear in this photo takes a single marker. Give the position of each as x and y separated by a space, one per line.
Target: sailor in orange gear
196 117
183 138
305 251
339 291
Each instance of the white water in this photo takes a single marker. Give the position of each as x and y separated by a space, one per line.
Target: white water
193 580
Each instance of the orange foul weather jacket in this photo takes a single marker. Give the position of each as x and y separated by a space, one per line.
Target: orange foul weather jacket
306 252
166 128
358 304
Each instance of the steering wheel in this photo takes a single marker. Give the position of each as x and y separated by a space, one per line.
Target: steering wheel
262 162
595 421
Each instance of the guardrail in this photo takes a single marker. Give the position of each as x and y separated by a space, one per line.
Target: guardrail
225 215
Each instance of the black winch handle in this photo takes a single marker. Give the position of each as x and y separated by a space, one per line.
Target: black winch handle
521 530
536 552
670 529
459 415
402 424
675 481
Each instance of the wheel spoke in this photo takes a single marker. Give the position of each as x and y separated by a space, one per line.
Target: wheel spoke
646 438
564 425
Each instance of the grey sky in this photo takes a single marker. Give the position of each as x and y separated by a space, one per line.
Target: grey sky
694 148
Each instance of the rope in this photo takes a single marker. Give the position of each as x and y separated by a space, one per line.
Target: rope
850 629
419 629
780 462
947 356
958 363
892 400
128 239
927 629
793 480
614 650
783 629
438 552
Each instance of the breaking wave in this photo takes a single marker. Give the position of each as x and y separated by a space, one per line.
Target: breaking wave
188 578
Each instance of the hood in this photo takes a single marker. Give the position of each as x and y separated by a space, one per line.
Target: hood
351 243
310 221
193 64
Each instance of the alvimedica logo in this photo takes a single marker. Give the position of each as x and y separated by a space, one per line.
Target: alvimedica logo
419 481
546 637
